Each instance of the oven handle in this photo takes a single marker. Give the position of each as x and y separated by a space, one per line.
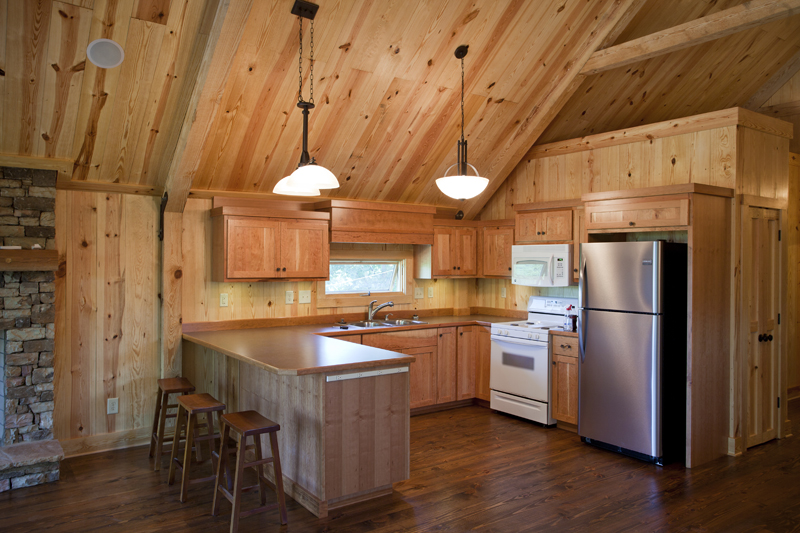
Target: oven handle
541 344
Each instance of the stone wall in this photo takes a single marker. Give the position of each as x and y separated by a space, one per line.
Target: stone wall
27 207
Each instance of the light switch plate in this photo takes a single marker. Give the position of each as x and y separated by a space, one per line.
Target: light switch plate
289 297
419 292
223 299
503 292
112 406
430 292
305 297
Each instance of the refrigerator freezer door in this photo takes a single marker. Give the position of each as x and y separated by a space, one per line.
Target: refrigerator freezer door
620 276
619 400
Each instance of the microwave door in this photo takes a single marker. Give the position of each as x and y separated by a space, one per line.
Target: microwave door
531 272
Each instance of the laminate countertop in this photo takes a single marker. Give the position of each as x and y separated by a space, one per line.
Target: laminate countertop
310 349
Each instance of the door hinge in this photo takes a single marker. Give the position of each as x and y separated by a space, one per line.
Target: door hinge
779 402
779 235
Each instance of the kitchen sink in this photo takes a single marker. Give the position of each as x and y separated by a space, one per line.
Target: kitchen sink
404 322
371 324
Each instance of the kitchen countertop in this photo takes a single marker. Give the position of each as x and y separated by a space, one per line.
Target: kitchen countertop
300 350
564 333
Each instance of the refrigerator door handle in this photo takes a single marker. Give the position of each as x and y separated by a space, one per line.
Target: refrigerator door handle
582 284
582 335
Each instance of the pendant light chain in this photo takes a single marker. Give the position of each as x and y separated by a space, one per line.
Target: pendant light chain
311 98
462 98
300 64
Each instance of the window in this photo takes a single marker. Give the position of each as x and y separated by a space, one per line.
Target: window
367 276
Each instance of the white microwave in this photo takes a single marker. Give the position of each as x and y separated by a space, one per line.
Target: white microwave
541 265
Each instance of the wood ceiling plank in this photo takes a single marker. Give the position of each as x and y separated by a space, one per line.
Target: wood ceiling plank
782 110
220 49
774 83
28 28
715 26
156 11
130 103
66 56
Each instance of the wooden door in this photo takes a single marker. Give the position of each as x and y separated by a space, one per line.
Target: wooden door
253 248
444 258
564 389
578 237
467 362
556 225
497 242
422 376
762 405
467 246
446 366
304 249
528 226
484 357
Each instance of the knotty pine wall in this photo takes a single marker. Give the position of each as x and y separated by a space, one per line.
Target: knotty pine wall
107 309
200 298
793 260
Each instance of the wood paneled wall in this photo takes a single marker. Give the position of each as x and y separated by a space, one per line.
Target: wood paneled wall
107 329
793 260
787 104
200 300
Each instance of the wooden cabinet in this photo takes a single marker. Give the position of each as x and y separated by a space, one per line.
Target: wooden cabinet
422 376
544 226
564 393
252 248
484 358
646 212
454 253
446 366
467 247
496 251
444 255
467 362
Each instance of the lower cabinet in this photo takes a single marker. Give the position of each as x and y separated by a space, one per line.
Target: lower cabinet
422 376
467 362
565 379
446 366
483 336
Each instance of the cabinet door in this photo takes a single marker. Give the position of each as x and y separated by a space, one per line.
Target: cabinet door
422 376
484 356
638 213
467 245
556 225
565 388
528 228
253 248
497 242
304 250
467 363
446 366
578 237
444 255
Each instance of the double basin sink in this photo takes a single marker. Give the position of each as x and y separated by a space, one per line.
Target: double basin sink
380 323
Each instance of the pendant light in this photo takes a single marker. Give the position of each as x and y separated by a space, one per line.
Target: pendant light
309 177
462 186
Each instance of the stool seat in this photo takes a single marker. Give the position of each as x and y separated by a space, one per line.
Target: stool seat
250 423
174 385
200 403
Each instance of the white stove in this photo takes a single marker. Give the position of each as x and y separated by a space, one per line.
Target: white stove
520 366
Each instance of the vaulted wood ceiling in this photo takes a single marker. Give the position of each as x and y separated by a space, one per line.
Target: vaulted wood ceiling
386 87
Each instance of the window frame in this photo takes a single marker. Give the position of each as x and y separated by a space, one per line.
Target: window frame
357 300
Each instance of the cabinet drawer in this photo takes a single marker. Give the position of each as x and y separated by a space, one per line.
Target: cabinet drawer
639 213
401 340
565 345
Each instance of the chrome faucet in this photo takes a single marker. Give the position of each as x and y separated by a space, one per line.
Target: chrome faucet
371 312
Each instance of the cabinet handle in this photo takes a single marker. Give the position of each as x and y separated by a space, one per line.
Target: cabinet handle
554 363
542 233
278 269
769 338
631 223
509 269
761 338
454 268
461 333
440 335
538 233
459 268
284 269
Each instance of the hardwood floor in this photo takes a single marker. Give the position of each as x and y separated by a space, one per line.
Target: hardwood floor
470 469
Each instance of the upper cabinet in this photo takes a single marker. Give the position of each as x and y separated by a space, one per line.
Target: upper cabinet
254 244
496 251
544 226
465 249
653 212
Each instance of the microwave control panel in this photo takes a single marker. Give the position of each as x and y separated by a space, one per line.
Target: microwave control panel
561 269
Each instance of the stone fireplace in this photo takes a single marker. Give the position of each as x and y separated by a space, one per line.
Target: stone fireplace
27 333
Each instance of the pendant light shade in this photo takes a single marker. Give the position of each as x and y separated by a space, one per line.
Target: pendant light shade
462 186
309 177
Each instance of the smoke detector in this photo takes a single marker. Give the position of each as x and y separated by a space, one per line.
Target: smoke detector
105 53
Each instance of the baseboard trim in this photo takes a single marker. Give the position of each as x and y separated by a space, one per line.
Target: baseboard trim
105 442
735 446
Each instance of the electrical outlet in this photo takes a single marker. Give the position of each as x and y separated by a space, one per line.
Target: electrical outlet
112 406
503 292
223 299
419 292
430 292
289 297
305 297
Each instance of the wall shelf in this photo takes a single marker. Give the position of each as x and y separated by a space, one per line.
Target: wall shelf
28 260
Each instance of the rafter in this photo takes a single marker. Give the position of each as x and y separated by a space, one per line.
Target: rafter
742 17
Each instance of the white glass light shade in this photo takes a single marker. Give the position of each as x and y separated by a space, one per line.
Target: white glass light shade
286 187
462 187
313 175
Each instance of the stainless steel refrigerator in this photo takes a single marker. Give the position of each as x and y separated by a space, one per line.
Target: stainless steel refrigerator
632 341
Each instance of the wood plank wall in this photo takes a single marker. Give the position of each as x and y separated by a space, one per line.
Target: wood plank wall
267 299
793 320
107 302
787 105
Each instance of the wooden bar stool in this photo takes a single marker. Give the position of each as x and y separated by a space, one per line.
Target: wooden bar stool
243 425
190 406
165 388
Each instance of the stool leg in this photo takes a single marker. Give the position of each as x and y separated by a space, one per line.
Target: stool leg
196 433
228 476
273 442
262 487
237 483
187 455
155 423
223 459
175 440
161 423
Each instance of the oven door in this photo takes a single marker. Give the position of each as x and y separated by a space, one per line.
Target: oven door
520 368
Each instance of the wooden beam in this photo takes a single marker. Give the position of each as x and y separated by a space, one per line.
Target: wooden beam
63 166
223 41
107 186
213 193
27 260
171 295
727 22
545 107
778 80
